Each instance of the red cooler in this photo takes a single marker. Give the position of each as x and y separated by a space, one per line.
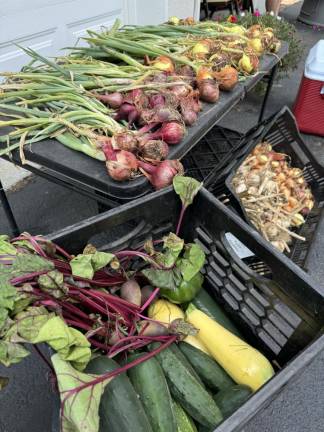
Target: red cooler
309 105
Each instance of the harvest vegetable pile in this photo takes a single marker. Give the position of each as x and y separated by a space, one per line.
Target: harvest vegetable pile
130 93
274 194
137 342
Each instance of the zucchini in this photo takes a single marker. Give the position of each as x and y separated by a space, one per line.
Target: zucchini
149 382
210 372
120 409
186 389
204 302
230 399
184 422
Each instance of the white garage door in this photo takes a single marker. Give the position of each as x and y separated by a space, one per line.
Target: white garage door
48 25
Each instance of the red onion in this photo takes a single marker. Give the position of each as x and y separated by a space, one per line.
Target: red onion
157 101
154 149
187 72
161 176
189 116
160 114
160 77
208 90
120 164
171 132
127 112
126 141
133 95
114 100
180 90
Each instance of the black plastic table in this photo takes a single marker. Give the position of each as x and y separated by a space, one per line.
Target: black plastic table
89 177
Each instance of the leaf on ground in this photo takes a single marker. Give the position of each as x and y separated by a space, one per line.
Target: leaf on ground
80 411
3 382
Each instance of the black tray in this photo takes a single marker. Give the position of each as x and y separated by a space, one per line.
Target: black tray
77 167
276 305
282 133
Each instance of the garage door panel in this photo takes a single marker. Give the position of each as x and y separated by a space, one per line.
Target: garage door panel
79 28
49 25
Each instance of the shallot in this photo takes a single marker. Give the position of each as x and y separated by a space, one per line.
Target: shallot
161 175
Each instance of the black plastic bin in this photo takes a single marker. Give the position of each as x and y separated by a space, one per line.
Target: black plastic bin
282 133
276 305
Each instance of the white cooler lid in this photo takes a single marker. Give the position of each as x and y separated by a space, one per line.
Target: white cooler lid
314 67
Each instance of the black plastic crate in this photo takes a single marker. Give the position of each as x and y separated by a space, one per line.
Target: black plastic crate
281 314
282 133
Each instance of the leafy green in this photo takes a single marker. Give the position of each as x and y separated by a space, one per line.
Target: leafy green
173 246
36 325
187 188
85 265
8 293
80 409
186 264
24 264
192 261
53 283
6 248
11 353
168 279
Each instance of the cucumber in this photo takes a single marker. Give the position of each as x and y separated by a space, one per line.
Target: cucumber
229 400
149 382
204 302
210 372
186 389
184 422
120 409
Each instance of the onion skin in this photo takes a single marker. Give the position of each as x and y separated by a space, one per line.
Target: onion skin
227 78
126 141
208 90
154 149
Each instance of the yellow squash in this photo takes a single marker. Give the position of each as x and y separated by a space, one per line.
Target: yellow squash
166 312
243 363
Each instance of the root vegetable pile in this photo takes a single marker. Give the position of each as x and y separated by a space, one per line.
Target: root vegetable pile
274 194
136 87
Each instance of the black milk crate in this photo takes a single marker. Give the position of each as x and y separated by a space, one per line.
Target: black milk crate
282 133
281 313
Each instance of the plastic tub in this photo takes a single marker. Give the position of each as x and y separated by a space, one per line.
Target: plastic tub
276 305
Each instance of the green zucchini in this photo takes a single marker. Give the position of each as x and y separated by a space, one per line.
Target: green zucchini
120 409
184 422
210 372
207 304
150 383
229 400
186 389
